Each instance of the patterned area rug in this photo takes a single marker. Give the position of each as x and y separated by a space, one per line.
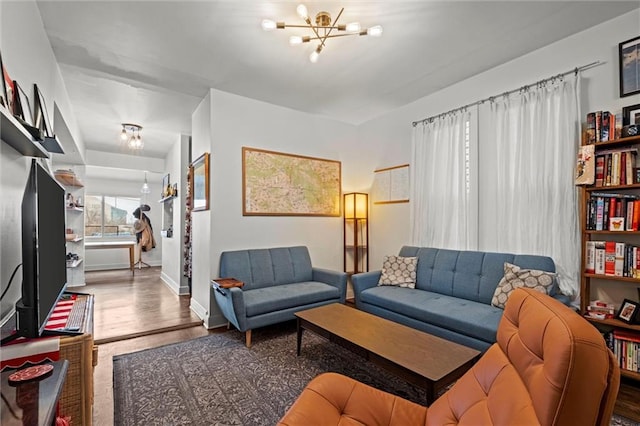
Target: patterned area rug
216 380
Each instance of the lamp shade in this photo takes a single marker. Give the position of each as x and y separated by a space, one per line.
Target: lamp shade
356 205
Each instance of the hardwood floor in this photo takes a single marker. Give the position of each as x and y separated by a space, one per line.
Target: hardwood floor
136 313
129 306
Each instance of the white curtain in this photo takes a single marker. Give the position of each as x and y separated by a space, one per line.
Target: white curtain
441 213
536 133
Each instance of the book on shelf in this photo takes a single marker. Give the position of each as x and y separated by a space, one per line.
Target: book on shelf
611 258
600 127
590 257
625 346
612 212
599 257
585 166
615 167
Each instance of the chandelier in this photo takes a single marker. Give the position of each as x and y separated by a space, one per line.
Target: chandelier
130 135
322 30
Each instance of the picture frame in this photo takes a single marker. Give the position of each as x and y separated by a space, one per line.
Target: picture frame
7 88
282 184
199 181
165 185
23 105
40 113
629 66
628 311
631 115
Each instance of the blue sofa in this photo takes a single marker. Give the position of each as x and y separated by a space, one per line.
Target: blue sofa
452 296
277 283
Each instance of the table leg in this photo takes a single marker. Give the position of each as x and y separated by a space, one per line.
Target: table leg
431 393
300 330
132 260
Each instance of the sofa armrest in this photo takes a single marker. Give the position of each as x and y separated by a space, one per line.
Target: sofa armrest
231 303
564 299
363 281
335 278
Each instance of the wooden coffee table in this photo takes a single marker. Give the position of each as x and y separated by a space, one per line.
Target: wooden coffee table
424 360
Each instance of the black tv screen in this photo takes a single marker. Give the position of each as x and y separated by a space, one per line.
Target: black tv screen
44 267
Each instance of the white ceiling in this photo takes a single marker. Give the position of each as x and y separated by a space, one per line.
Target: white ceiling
151 63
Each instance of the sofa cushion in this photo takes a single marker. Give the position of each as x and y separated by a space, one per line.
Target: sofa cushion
462 316
398 270
516 277
276 298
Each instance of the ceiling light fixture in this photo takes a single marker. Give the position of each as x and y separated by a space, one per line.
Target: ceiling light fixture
145 186
322 30
131 136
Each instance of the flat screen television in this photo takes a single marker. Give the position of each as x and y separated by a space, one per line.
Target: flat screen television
44 266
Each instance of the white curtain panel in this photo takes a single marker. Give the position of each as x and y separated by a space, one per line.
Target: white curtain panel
537 136
440 210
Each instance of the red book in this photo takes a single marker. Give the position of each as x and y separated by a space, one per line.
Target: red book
636 215
610 258
600 170
626 335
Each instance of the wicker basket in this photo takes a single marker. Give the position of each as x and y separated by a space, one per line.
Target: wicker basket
77 394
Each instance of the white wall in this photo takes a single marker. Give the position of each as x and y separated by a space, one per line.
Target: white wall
201 222
177 162
28 58
236 122
388 137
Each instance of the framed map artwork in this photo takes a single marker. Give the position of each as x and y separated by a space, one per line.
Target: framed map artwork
279 184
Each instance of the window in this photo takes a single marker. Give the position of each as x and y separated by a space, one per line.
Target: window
109 216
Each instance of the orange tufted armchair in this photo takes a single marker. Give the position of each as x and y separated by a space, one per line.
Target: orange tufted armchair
548 367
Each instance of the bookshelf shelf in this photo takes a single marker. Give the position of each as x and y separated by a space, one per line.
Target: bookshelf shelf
613 278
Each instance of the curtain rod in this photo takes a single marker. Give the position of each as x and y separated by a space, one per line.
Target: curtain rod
520 89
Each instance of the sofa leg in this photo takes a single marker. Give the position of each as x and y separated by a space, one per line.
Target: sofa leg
247 337
228 325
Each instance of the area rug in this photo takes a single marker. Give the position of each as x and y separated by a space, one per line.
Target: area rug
216 380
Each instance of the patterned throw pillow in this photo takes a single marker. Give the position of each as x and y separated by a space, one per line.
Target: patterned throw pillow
399 271
515 277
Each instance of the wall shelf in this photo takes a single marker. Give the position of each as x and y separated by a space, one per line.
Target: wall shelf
16 136
165 199
75 263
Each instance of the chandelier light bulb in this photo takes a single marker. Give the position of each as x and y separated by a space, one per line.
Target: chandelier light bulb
268 25
123 134
353 27
314 56
375 31
293 40
302 11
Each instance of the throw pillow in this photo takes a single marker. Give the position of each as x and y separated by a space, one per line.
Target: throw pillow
399 271
515 277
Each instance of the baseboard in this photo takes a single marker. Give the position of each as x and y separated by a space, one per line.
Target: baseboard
173 286
111 266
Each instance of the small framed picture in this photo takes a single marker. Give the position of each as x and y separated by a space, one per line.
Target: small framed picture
631 115
23 105
629 58
165 185
199 174
628 311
